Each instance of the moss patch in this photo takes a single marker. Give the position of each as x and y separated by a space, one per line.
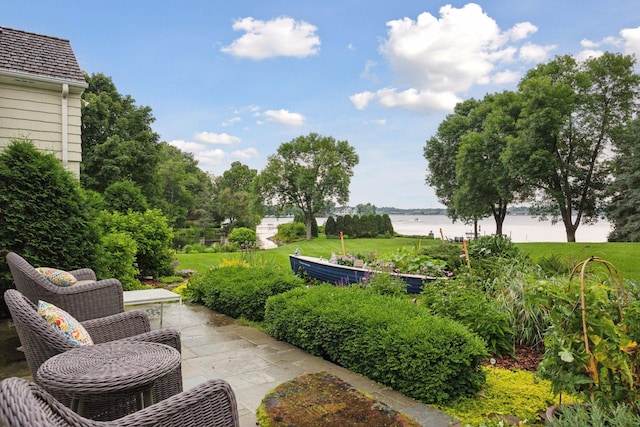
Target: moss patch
324 400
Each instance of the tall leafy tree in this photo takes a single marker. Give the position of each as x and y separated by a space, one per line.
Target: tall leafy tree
623 209
118 143
185 190
236 200
309 172
571 111
441 151
485 184
464 159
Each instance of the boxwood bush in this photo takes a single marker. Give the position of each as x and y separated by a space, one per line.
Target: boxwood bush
240 291
389 340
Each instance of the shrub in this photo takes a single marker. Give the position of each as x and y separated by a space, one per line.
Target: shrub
118 259
123 196
385 284
389 340
291 232
243 237
472 307
240 291
44 215
493 247
591 345
152 235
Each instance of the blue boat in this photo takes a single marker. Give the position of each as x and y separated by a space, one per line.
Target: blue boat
336 274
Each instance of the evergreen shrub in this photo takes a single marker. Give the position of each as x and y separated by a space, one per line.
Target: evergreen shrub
44 214
153 237
243 236
240 291
118 259
389 340
291 232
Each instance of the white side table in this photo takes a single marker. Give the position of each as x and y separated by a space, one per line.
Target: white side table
151 296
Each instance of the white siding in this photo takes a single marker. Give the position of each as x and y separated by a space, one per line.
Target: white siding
36 113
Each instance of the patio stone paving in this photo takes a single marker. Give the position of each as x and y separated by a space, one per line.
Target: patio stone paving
215 346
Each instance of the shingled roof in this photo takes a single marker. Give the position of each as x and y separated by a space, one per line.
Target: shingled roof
38 55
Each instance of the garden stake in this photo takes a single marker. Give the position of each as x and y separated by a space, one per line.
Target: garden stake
615 279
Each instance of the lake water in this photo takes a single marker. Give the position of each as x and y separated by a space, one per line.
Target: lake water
520 228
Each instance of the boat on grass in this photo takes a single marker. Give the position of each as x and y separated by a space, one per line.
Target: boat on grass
337 274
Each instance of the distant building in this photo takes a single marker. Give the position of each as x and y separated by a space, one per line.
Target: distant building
40 88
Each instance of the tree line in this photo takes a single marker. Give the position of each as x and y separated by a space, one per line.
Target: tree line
565 142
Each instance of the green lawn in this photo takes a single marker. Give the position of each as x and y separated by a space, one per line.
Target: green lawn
623 256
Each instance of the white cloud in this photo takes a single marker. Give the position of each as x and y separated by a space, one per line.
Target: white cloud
414 99
437 58
205 157
216 138
360 100
210 158
521 31
506 76
367 73
588 44
631 38
284 117
247 153
188 147
585 54
535 53
230 122
281 36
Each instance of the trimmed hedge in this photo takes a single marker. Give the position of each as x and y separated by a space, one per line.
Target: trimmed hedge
240 291
389 340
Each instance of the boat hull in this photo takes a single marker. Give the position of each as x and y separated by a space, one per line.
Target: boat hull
336 274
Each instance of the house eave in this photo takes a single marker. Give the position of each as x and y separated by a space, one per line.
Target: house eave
34 80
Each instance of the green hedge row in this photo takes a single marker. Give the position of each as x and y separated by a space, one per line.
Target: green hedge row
389 340
240 291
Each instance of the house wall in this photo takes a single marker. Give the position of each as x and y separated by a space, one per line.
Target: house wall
35 113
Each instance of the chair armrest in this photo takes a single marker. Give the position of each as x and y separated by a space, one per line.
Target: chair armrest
91 300
117 326
166 336
212 403
84 274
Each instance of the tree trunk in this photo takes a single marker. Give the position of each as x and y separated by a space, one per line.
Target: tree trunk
570 227
307 223
499 214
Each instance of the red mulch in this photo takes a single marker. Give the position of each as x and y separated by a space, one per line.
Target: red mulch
526 359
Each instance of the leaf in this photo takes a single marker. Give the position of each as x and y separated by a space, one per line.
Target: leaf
566 356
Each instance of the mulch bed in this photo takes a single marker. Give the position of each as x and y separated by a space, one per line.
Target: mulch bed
526 359
324 400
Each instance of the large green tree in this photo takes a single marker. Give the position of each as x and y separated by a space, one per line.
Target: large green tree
464 159
185 190
236 201
308 172
118 143
571 111
623 209
441 151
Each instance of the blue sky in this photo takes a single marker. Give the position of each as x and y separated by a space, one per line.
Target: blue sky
232 80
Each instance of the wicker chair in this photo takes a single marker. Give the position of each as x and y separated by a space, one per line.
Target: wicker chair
98 298
211 404
40 342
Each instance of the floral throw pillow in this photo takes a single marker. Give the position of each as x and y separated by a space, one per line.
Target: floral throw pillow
64 323
57 277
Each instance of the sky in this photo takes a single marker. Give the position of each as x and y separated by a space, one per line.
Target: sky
233 80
